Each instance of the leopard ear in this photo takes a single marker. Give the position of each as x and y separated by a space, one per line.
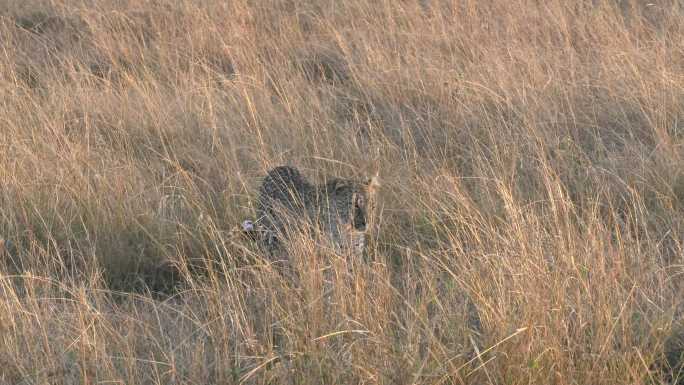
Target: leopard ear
336 186
373 183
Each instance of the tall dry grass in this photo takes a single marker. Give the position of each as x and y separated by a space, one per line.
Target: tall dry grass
532 220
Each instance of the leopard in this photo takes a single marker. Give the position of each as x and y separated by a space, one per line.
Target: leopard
337 211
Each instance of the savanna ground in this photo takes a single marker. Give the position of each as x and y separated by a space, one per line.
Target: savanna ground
531 225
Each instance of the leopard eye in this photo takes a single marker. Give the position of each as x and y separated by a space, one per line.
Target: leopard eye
360 201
